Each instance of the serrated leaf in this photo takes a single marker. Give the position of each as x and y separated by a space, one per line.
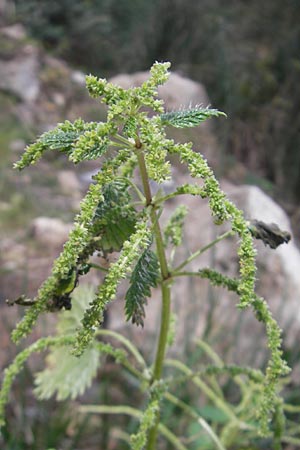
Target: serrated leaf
114 220
67 376
144 276
59 140
130 127
116 233
95 152
189 117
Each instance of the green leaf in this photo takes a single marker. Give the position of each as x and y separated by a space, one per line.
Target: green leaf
70 321
92 144
66 376
130 127
59 140
198 438
144 276
213 413
114 219
67 284
115 233
189 117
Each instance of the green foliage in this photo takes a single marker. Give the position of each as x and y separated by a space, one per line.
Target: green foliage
17 365
189 117
79 140
150 415
143 277
67 376
112 220
93 316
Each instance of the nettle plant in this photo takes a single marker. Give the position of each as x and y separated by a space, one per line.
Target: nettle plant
121 214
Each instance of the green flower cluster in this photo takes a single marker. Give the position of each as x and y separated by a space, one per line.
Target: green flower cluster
15 368
93 316
150 415
79 240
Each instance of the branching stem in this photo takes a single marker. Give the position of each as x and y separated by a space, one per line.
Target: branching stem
165 287
202 250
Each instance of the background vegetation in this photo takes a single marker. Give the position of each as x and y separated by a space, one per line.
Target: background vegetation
247 54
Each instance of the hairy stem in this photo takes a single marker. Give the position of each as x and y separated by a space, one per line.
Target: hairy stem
165 289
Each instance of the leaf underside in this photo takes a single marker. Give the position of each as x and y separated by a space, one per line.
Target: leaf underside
67 376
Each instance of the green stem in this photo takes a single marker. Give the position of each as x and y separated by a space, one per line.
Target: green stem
160 200
164 328
134 186
165 287
133 350
96 266
291 408
202 250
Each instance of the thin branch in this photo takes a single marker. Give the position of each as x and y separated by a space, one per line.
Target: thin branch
202 250
193 413
133 350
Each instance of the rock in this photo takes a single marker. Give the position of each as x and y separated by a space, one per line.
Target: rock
19 74
12 255
16 31
71 187
58 99
69 183
13 266
50 232
78 77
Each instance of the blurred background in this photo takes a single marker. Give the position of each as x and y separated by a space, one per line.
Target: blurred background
240 57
